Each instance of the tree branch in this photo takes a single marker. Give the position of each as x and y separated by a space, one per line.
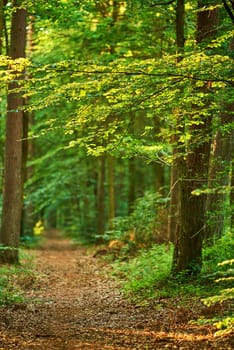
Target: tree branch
228 9
163 3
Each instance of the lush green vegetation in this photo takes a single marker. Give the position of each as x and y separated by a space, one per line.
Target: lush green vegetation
15 280
151 268
147 277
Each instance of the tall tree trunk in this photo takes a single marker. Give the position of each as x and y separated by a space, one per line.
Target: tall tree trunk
12 187
193 173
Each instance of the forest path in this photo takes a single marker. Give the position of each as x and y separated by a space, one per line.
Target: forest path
73 305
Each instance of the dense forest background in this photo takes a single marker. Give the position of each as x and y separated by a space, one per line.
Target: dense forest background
117 123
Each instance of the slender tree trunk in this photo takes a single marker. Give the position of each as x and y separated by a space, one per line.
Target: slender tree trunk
12 188
101 196
180 38
28 216
174 201
131 184
111 189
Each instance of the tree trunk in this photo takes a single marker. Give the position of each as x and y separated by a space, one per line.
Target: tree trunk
101 196
12 187
28 216
174 201
193 173
111 189
131 184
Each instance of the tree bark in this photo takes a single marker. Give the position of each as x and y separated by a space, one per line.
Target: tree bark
193 173
12 187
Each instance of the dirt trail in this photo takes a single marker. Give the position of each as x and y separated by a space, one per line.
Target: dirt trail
73 305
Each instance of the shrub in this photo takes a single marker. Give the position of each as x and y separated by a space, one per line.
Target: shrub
14 280
146 224
141 274
222 250
226 323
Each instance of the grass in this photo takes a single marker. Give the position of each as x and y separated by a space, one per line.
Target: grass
15 279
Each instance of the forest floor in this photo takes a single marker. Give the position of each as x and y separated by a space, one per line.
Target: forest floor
72 305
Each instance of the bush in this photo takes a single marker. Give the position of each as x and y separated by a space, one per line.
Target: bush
141 274
146 224
14 280
222 250
226 294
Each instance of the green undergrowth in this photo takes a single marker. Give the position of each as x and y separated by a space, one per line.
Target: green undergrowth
30 242
147 276
15 279
139 275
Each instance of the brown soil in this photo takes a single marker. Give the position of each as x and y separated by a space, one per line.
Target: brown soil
73 305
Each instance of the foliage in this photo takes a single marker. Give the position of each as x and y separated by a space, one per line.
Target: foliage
14 280
145 225
226 324
141 274
149 274
222 250
29 242
148 218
